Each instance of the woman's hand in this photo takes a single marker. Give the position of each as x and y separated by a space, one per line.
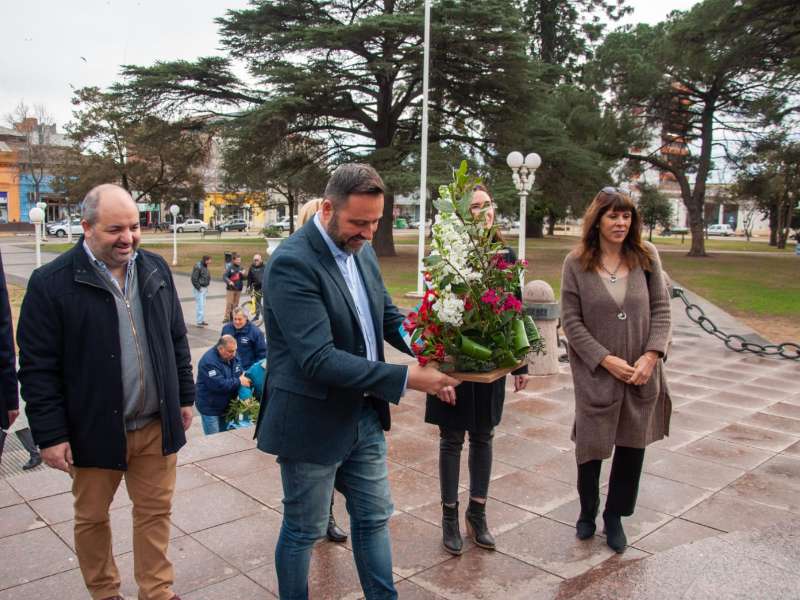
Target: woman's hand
643 368
520 382
447 395
618 367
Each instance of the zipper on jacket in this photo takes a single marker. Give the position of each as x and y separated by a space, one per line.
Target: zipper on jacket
141 358
122 407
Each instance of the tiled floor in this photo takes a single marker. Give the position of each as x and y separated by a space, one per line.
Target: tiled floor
732 463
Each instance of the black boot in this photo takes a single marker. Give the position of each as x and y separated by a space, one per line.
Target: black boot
26 438
451 535
477 528
334 533
589 494
2 443
586 526
615 535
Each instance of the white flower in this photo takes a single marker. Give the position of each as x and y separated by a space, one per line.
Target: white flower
449 308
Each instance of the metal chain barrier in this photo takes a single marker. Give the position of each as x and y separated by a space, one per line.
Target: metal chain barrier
737 343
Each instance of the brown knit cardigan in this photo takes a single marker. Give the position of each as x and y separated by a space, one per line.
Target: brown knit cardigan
608 411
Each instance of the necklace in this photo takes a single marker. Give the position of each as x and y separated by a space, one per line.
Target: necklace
613 274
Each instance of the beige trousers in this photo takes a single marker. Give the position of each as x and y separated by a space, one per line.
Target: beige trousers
150 480
231 302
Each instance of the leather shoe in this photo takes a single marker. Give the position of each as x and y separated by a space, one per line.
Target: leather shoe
34 461
334 532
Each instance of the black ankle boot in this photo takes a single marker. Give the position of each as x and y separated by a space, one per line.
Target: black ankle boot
451 535
615 535
334 532
586 526
2 443
26 439
477 528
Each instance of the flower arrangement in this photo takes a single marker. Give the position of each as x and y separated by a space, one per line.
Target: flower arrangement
243 411
470 318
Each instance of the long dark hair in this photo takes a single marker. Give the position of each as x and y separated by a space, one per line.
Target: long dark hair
634 253
498 237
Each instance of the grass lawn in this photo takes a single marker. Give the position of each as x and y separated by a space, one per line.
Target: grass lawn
761 288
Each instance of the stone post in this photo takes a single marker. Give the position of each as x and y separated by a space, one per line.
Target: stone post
540 303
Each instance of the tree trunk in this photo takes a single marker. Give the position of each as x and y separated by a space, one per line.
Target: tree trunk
383 242
551 222
534 227
773 226
784 215
650 237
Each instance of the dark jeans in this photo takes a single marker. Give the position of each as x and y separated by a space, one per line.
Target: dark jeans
480 462
623 485
307 487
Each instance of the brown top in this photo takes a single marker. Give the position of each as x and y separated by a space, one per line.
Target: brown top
607 410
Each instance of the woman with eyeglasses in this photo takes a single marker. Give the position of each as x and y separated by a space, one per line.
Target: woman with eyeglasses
477 410
616 316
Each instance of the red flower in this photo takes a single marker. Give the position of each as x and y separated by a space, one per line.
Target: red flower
427 276
423 360
490 297
410 323
468 303
439 352
512 303
431 330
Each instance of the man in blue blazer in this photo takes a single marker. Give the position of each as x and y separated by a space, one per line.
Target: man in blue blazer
327 313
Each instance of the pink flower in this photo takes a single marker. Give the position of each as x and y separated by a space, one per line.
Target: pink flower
512 303
500 262
523 262
490 297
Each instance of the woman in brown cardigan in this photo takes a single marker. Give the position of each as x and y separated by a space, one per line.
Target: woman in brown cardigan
616 315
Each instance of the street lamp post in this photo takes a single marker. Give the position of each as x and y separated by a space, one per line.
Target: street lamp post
174 212
523 173
43 207
36 216
423 176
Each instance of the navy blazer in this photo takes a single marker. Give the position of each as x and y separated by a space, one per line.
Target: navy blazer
318 372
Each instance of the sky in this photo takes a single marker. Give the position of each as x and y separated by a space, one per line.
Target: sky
51 47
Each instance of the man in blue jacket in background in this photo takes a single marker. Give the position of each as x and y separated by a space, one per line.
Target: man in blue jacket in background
219 375
251 346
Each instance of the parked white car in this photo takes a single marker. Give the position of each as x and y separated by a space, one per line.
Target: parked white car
59 229
282 223
720 229
189 225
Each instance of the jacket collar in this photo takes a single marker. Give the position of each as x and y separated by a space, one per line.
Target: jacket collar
84 272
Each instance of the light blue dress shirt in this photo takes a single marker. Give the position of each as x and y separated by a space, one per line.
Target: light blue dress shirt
347 266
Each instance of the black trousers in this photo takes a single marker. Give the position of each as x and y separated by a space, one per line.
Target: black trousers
623 485
451 442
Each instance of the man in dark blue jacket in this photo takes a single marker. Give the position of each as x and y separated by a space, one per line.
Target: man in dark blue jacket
251 346
219 375
327 313
106 373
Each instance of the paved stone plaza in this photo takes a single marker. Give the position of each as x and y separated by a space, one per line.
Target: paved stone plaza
717 515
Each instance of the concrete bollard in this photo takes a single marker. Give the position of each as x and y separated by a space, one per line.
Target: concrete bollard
540 303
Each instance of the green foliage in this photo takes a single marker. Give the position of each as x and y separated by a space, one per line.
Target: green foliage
271 231
654 208
723 66
349 75
771 175
147 155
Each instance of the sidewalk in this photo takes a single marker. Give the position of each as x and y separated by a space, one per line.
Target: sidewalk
732 464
